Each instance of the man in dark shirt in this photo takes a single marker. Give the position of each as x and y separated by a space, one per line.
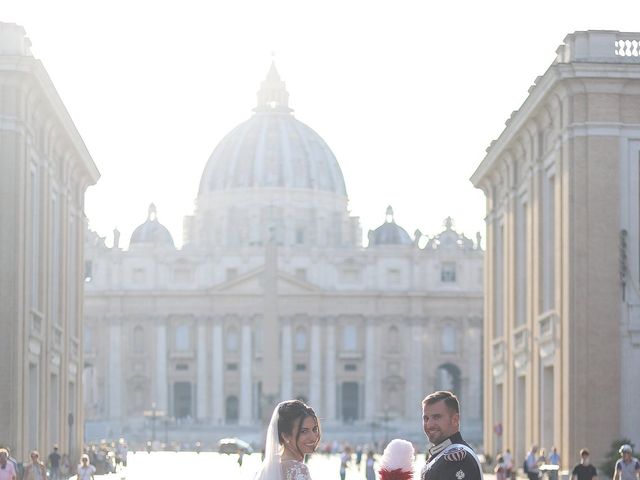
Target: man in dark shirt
450 457
584 470
54 463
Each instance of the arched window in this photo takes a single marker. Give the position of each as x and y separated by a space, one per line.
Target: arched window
138 339
449 339
232 339
138 397
393 339
301 339
448 378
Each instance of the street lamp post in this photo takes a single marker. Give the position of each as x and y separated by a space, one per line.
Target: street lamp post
153 415
153 423
386 425
166 430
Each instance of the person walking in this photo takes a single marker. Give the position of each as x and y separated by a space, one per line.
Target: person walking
54 464
85 470
369 470
584 470
500 469
7 470
530 465
36 469
627 467
358 456
345 458
508 463
450 456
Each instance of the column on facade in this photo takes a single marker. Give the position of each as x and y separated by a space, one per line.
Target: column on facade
217 410
115 369
246 396
286 363
330 366
202 385
315 367
370 390
414 368
161 393
474 348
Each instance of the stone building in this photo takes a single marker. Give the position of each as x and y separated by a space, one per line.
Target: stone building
562 305
45 169
273 296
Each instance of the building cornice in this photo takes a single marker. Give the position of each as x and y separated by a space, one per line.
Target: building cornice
34 69
574 66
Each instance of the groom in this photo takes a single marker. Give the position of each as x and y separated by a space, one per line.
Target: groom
449 457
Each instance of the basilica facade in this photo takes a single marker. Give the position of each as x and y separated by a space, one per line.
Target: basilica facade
273 296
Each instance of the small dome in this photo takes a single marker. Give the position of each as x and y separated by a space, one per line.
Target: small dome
389 233
152 232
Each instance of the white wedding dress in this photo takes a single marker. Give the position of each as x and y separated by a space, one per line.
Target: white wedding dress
294 470
273 467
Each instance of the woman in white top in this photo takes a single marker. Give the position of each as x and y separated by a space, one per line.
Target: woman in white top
85 469
294 431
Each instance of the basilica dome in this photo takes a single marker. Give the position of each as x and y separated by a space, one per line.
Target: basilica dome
389 233
152 232
272 149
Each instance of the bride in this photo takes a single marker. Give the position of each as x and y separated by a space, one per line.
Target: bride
294 431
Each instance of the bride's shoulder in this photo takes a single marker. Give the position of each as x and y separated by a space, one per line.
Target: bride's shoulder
294 470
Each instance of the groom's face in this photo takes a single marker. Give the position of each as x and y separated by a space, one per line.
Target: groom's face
439 422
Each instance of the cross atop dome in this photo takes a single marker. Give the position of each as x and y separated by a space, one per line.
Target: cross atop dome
273 95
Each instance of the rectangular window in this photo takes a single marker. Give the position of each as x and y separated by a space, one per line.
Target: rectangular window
33 416
87 345
182 275
54 303
548 242
349 338
521 272
88 271
448 272
182 367
231 273
350 367
301 367
72 283
498 280
394 276
350 275
34 185
54 409
138 276
182 338
232 367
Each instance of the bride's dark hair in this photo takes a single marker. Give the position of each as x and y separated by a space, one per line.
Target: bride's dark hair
293 413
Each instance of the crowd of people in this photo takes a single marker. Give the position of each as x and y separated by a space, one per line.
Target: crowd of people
96 459
537 464
294 432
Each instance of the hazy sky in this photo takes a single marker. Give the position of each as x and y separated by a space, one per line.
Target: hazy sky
408 94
